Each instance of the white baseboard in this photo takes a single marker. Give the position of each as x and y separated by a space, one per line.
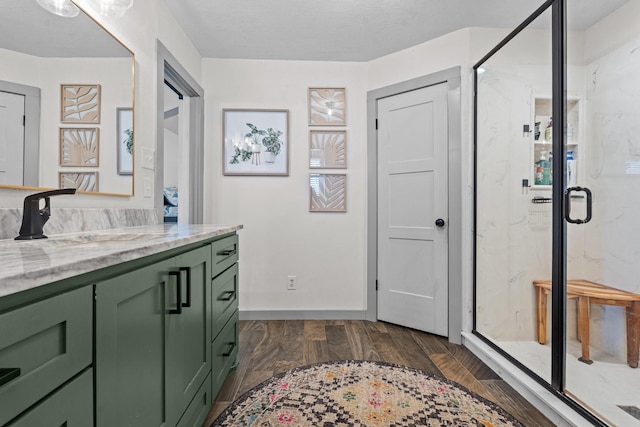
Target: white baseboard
303 315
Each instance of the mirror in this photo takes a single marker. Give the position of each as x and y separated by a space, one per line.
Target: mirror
74 84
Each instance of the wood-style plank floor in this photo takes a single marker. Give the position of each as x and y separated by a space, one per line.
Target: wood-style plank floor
271 347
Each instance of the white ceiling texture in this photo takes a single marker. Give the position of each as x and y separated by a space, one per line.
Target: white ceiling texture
349 30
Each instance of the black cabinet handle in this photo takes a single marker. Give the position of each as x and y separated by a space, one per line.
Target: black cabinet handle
227 252
178 309
232 346
8 374
439 222
188 270
567 205
226 296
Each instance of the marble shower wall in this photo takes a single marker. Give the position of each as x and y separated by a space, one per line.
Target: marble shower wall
612 239
71 220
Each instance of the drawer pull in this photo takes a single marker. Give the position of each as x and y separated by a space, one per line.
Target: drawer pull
227 252
231 348
8 374
226 296
178 309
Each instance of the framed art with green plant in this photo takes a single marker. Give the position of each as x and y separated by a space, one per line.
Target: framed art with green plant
255 142
125 141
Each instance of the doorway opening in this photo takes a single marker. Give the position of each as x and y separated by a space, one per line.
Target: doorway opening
180 143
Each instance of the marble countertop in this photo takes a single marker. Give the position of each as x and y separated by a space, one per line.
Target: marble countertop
27 264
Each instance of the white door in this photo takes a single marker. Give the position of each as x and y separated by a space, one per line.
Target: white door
11 138
412 197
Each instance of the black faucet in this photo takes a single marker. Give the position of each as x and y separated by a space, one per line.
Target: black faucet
34 218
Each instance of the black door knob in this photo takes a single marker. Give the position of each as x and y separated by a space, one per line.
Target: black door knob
440 222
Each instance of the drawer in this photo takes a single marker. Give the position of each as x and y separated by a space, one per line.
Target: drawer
224 352
224 298
49 342
225 254
71 406
199 407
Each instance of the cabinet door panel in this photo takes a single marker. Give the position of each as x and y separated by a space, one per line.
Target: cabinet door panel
71 406
189 333
51 345
224 298
131 313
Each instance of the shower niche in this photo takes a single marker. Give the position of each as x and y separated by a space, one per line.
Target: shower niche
541 177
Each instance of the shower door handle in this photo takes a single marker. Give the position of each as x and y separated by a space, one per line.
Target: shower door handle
567 205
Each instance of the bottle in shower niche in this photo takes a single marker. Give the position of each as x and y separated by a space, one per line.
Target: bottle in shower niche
539 170
548 132
571 169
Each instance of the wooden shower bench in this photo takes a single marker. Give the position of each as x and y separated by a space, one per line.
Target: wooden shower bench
586 293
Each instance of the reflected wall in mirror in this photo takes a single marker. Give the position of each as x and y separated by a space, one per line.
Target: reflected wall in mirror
42 54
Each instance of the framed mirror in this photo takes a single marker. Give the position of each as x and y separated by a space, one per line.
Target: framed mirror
66 96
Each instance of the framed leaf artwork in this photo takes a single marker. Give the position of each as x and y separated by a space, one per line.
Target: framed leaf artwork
80 103
79 147
328 192
327 149
81 181
327 106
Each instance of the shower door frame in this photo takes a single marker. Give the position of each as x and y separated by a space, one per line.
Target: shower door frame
559 224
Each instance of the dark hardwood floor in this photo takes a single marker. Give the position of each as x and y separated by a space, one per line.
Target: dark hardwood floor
271 347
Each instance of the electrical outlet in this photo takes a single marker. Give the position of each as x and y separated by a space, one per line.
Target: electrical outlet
148 188
291 283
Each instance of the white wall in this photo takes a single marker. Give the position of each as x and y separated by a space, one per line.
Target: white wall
326 251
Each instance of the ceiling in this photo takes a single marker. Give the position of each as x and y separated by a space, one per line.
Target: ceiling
349 30
29 29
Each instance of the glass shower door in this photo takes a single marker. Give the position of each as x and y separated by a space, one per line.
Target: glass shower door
514 179
603 254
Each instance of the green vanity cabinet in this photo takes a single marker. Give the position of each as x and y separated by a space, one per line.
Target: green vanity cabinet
45 344
142 342
152 329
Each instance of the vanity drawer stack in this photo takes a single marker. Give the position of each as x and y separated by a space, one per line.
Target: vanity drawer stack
46 356
224 302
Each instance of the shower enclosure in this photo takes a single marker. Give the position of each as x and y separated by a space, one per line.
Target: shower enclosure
557 183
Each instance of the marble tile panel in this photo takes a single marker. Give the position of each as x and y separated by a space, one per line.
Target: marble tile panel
73 220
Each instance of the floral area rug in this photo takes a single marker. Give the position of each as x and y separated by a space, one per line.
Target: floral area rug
359 394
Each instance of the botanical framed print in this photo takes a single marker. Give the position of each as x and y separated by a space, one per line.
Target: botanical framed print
328 192
81 181
125 140
79 147
255 142
327 149
327 106
80 103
